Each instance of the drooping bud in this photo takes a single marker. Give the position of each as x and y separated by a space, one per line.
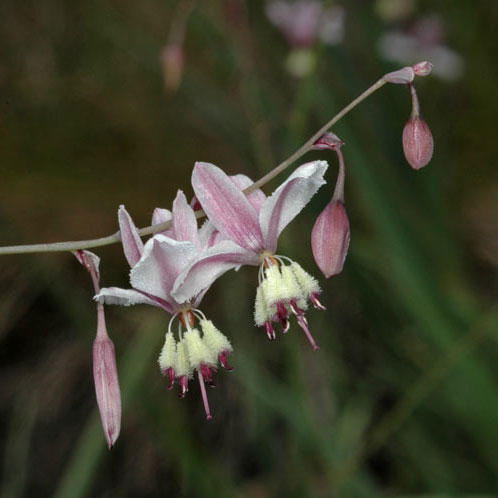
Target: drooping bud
330 234
418 144
422 68
330 238
403 76
105 375
105 372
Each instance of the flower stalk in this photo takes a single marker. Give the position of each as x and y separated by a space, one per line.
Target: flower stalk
422 69
116 237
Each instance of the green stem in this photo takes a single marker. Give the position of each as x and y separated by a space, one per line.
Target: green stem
116 237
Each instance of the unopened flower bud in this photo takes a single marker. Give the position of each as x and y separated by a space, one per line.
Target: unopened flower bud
330 238
173 61
328 141
105 375
105 372
418 144
422 68
330 234
403 76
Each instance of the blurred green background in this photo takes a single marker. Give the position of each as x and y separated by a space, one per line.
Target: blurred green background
401 400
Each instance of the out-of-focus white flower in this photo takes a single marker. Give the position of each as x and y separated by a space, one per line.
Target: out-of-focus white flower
424 41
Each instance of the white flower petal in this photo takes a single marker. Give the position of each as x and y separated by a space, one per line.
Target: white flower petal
161 262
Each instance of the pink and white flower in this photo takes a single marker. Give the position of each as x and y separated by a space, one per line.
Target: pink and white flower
155 268
249 228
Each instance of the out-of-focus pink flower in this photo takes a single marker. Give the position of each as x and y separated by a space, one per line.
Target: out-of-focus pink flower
425 40
173 62
330 234
105 372
418 144
251 228
304 21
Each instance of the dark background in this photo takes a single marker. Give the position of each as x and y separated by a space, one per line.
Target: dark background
400 401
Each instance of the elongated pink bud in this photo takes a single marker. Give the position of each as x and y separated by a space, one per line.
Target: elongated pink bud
105 375
330 238
105 372
418 144
330 234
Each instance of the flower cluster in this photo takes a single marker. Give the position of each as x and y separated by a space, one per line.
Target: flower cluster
174 269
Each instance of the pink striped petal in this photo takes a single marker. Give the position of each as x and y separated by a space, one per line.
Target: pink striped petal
162 261
202 272
184 220
289 199
132 243
227 207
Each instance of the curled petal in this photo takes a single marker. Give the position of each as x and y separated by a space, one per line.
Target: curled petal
184 220
226 206
162 261
129 297
132 243
215 261
289 199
